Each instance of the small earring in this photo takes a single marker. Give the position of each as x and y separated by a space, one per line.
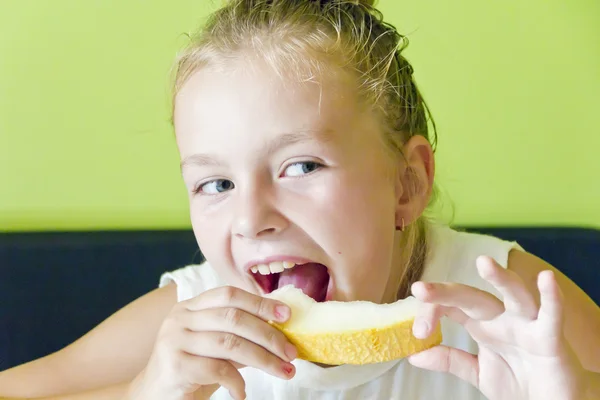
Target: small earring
401 228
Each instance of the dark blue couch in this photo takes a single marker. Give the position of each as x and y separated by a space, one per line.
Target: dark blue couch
54 287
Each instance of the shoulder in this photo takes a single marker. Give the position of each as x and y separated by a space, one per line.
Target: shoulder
111 353
191 280
452 255
582 315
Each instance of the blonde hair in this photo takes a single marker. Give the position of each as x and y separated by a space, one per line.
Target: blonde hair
313 38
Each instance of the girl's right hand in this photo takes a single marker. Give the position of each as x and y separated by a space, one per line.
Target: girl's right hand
204 340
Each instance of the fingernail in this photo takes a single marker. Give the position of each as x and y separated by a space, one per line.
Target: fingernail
236 397
282 312
424 289
287 368
290 351
417 357
420 329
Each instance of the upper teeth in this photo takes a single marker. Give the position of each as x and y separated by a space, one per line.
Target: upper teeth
272 268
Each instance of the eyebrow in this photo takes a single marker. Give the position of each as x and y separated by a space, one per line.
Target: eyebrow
287 139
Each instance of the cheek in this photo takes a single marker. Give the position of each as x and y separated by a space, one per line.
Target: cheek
210 230
353 214
213 236
362 201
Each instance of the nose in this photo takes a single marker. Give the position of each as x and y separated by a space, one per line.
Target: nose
256 214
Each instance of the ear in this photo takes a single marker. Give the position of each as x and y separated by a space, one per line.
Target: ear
414 182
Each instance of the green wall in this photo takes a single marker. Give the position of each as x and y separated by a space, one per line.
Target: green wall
85 141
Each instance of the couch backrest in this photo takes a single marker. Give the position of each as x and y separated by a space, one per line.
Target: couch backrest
54 287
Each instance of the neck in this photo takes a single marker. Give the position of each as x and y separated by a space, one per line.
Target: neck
408 261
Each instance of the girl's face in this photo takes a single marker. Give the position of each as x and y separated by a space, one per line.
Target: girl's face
282 174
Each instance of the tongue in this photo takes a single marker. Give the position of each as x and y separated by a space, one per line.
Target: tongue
311 278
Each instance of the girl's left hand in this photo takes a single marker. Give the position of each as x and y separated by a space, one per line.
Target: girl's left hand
523 354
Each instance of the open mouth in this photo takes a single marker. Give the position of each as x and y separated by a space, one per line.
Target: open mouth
312 278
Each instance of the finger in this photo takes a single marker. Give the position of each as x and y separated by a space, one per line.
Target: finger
475 303
429 315
457 362
550 313
516 297
228 296
207 371
241 323
228 346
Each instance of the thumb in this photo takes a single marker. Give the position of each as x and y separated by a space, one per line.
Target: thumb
238 365
457 362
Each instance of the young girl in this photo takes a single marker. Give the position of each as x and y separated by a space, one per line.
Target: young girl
306 150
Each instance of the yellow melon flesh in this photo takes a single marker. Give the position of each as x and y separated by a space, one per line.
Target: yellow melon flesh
356 332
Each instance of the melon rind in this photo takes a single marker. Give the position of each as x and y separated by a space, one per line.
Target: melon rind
388 340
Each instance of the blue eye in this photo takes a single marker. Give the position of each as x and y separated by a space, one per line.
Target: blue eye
215 187
301 168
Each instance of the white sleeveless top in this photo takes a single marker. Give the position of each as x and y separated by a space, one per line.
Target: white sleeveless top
451 258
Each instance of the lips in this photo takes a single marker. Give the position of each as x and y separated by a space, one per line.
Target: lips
312 278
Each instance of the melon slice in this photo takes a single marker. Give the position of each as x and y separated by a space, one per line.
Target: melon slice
356 332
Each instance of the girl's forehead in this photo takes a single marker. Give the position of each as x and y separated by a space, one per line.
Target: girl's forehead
253 105
262 89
